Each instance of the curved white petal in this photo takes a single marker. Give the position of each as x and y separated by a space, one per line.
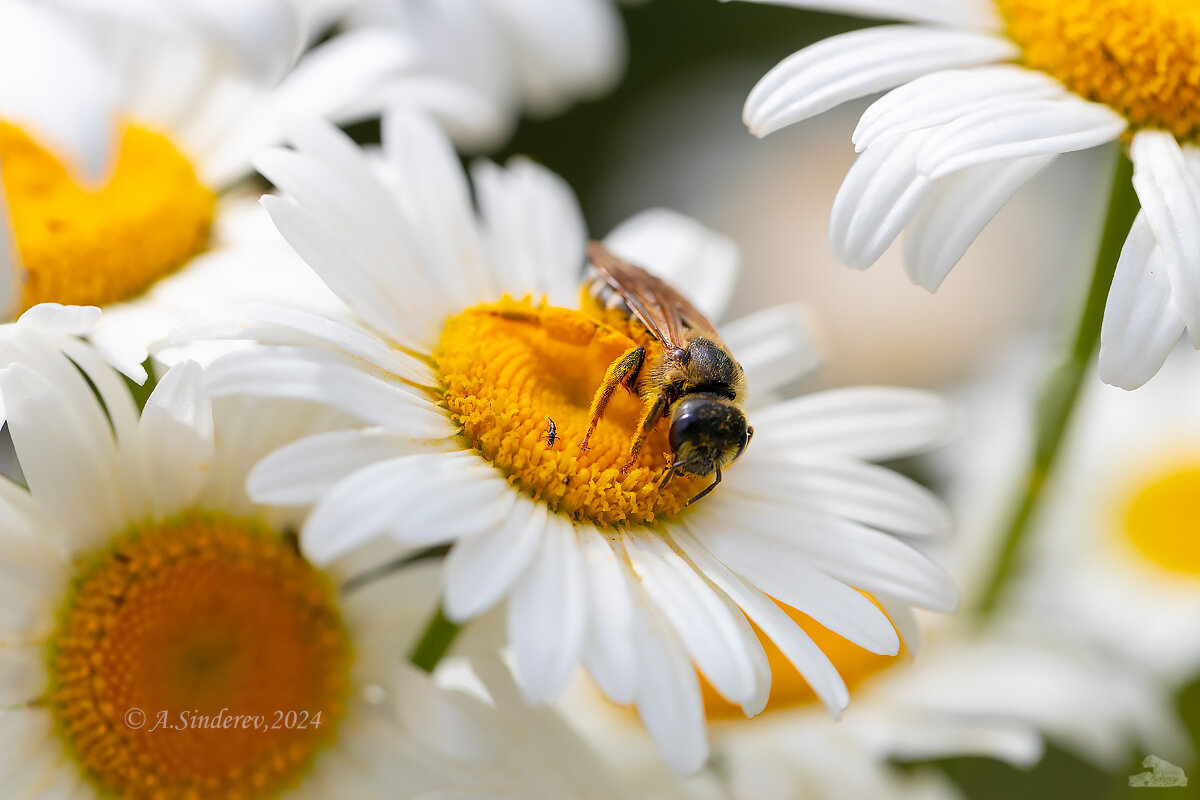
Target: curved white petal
481 570
711 627
1141 321
547 614
608 652
880 194
418 500
944 96
303 471
781 629
533 231
177 438
697 261
1170 196
858 63
868 422
787 575
956 211
323 377
1018 130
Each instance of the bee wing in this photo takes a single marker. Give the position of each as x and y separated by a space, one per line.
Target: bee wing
665 312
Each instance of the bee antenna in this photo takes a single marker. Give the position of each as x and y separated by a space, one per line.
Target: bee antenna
711 486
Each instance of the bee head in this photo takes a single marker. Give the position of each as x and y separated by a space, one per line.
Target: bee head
708 432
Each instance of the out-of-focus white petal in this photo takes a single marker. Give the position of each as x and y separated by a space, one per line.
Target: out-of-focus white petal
858 63
775 346
964 13
698 262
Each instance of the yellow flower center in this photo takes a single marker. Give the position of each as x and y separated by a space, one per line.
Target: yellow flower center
788 687
1139 57
96 245
200 658
1163 520
507 370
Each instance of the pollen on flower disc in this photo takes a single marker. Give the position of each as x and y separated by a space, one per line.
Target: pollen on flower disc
1139 57
201 658
507 369
1163 519
92 245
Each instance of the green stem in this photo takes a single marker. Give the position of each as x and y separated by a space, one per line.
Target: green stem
1061 389
435 642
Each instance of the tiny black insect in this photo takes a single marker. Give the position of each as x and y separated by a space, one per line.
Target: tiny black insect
552 433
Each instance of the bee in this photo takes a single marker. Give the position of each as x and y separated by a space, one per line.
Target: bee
694 382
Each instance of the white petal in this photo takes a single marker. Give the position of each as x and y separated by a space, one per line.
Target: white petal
303 471
668 692
608 652
775 346
547 614
880 194
1170 196
323 377
957 211
944 96
697 261
177 437
854 554
961 13
1141 321
711 627
1019 130
859 63
481 570
411 319
56 318
269 324
66 452
786 575
418 500
846 488
866 422
534 231
781 629
431 190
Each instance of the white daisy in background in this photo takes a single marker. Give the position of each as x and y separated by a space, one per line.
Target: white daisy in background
534 57
144 594
121 145
1116 556
997 694
466 350
943 152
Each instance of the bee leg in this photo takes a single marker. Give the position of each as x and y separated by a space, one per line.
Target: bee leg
710 487
650 417
621 371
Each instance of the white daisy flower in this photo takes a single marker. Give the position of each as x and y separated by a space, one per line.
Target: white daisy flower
468 349
1115 553
995 694
121 144
163 638
945 150
524 57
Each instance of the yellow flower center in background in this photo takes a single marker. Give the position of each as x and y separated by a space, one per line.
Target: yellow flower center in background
508 369
788 687
1163 520
1139 57
175 639
96 245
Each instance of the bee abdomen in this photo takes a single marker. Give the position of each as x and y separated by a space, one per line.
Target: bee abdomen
607 296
